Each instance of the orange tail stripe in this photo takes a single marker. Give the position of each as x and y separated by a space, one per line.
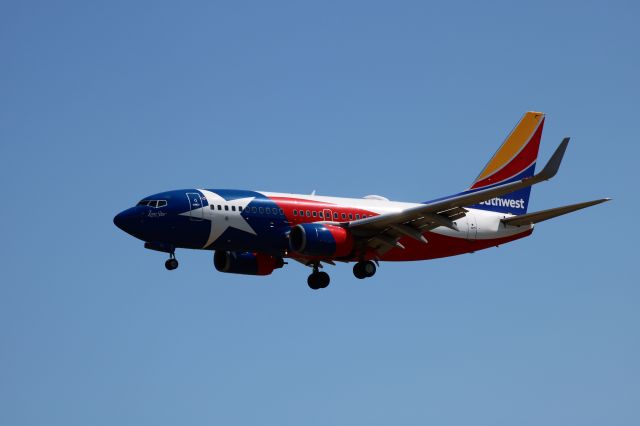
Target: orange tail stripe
513 144
524 159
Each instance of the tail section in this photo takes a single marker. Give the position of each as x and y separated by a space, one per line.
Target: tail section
514 160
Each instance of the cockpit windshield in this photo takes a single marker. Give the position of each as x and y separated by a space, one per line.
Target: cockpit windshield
153 203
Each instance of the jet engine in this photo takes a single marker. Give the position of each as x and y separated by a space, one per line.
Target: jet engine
246 263
320 240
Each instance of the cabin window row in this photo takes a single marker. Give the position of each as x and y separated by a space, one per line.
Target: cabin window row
321 215
278 211
260 210
225 207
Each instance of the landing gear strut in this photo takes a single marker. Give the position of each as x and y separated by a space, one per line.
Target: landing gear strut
171 263
318 280
364 269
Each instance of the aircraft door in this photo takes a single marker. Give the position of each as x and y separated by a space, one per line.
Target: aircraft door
195 204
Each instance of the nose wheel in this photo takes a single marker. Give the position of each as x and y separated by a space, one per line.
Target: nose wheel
171 263
364 269
318 280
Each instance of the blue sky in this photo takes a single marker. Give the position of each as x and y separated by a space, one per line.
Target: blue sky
102 104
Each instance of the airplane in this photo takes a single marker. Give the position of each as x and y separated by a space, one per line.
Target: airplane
253 232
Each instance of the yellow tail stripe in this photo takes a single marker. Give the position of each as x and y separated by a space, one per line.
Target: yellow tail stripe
514 143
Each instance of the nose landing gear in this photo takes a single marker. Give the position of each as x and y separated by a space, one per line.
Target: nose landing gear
171 263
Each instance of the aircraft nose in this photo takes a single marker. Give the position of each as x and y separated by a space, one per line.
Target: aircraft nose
123 220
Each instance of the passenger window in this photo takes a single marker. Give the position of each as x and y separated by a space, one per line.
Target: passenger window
261 210
233 208
267 210
350 216
344 216
320 214
253 210
308 213
335 215
314 213
212 207
357 216
295 212
240 208
219 207
281 212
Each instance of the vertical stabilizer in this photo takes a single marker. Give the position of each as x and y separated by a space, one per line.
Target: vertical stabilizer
514 160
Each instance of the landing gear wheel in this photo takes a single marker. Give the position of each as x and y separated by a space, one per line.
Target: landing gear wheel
358 271
369 268
364 269
318 280
323 279
312 282
171 264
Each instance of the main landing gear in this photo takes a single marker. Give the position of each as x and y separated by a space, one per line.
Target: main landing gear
364 269
318 280
172 262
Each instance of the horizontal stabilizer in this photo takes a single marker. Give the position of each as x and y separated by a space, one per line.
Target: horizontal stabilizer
535 217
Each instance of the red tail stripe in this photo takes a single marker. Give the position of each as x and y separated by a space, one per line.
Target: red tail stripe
516 166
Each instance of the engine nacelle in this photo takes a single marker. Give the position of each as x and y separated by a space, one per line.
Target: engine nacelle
319 240
246 263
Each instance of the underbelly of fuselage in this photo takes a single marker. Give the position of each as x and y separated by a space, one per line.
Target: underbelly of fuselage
438 246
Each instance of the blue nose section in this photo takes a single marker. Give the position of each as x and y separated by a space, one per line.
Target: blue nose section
124 220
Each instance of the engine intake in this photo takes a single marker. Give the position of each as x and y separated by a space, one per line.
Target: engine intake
246 263
320 240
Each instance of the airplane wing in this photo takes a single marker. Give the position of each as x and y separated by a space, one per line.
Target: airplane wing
383 232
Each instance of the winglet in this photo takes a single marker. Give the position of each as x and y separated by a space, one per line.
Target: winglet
553 165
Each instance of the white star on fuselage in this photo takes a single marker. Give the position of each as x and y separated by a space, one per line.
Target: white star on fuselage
221 220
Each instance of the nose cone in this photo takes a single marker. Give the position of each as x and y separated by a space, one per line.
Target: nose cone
123 220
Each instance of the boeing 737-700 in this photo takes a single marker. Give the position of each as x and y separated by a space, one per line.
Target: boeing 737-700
253 232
